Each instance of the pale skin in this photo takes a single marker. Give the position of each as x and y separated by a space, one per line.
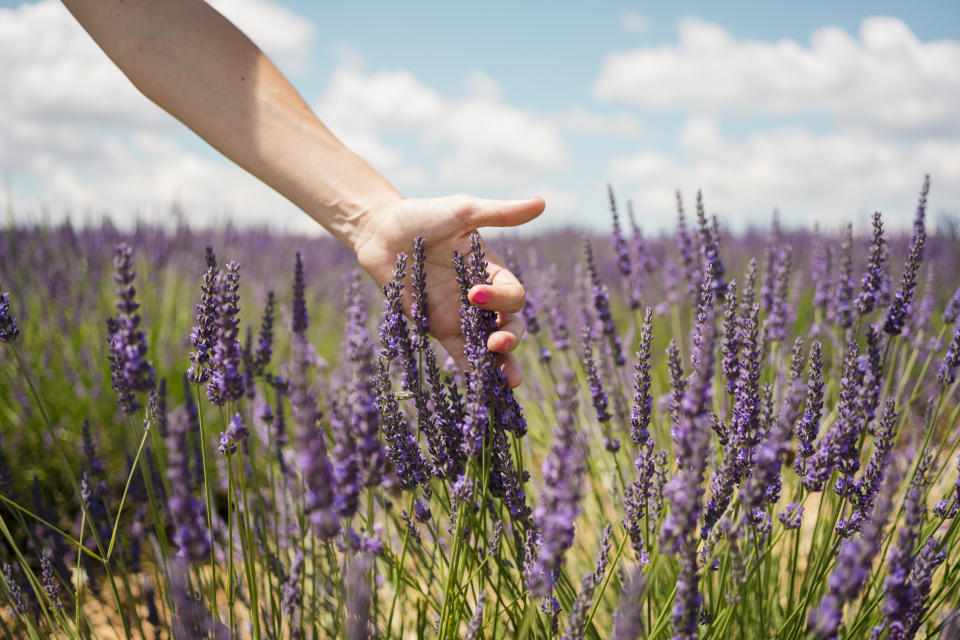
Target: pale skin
196 65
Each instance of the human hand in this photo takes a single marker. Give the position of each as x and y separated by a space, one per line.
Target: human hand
445 225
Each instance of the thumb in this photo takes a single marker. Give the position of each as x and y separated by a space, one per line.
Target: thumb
505 213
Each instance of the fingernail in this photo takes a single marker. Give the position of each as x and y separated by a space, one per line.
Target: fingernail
502 344
481 297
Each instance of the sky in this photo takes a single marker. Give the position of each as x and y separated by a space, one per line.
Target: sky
822 111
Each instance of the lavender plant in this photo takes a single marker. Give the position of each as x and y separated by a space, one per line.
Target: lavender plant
804 491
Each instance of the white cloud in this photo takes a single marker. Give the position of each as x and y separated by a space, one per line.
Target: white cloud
82 139
480 140
579 120
284 36
634 22
481 86
830 178
885 78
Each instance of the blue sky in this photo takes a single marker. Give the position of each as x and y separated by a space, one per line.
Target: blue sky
823 111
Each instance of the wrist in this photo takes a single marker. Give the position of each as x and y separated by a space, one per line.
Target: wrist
351 210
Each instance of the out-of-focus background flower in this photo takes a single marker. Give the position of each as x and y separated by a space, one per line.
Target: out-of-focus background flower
825 111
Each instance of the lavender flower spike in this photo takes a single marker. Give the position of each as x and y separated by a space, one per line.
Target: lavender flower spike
623 255
900 306
852 569
809 424
577 620
418 310
203 337
226 380
563 471
873 278
8 324
300 319
901 603
691 439
947 373
841 313
129 343
642 400
601 302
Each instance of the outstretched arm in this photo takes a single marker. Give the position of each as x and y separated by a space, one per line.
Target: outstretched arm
196 65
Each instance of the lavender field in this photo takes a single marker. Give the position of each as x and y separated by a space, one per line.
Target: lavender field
234 434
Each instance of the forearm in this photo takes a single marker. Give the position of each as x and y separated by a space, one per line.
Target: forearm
197 66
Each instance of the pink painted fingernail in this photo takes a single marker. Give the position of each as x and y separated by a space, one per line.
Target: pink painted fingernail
481 297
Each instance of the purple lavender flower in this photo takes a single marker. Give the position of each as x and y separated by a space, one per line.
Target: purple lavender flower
646 263
873 278
345 464
601 302
901 603
577 620
157 403
11 577
8 324
203 337
563 471
762 486
642 400
867 487
418 309
952 310
838 448
851 570
809 424
94 463
358 599
623 256
476 619
402 448
678 384
365 420
476 324
50 584
900 306
390 328
443 435
685 245
640 496
237 432
505 481
745 423
187 514
841 312
776 323
691 438
710 249
226 379
821 266
927 560
265 338
730 348
300 318
597 394
947 373
528 312
226 447
129 343
315 465
792 516
628 618
559 331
